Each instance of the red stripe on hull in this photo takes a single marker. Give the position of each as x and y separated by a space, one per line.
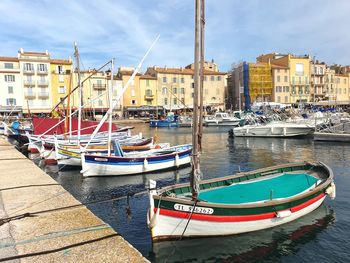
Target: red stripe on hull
50 161
214 218
34 150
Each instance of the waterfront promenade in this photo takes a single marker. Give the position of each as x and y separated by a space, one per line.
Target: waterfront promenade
63 235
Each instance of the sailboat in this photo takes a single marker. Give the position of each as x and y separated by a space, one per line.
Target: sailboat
239 203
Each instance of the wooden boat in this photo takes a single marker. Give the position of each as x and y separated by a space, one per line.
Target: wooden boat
137 163
240 203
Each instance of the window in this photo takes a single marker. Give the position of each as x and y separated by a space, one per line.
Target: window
205 78
280 88
165 101
10 90
30 102
149 102
43 102
299 69
99 92
28 67
278 78
276 89
192 95
182 80
61 78
99 82
175 101
278 70
287 88
8 65
285 78
60 69
293 79
278 99
100 103
286 99
133 93
293 90
182 90
217 91
164 90
10 78
164 80
299 80
344 81
42 67
11 102
183 100
300 90
133 102
306 80
61 90
212 78
219 78
147 82
174 79
174 90
148 92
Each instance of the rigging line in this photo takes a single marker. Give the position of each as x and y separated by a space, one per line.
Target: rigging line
58 249
29 214
25 186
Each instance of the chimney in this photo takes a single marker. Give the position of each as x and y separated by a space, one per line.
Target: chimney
21 50
46 52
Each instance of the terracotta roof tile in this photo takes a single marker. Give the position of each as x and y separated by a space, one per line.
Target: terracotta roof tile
184 71
60 61
12 59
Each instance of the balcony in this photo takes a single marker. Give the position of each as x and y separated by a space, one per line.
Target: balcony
149 97
43 82
28 71
29 94
42 71
27 82
43 95
99 86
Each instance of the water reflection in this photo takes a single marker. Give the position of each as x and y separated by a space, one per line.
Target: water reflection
264 245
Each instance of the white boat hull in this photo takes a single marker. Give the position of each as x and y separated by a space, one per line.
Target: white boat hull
272 131
168 226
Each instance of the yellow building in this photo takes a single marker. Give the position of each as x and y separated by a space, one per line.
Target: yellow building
148 90
61 79
260 82
132 95
299 73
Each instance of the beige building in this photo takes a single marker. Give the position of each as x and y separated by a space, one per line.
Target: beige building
330 89
342 89
281 88
175 87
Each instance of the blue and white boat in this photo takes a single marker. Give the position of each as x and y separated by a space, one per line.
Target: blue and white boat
120 163
170 121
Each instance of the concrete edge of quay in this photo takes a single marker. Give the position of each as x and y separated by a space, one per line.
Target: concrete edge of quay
64 235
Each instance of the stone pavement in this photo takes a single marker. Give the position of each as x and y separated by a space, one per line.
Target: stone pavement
71 235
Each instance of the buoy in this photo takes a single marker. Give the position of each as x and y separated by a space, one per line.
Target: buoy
157 146
331 191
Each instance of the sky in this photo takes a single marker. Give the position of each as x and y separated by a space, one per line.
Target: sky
235 30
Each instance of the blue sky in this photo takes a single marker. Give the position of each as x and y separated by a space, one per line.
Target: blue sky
124 29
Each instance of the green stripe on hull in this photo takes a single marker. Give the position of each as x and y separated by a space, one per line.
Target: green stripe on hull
220 211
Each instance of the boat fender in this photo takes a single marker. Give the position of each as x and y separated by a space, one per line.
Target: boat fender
177 160
145 164
154 220
271 130
247 130
283 213
284 131
157 146
331 191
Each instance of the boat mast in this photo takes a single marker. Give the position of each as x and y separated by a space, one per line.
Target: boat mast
80 98
201 70
110 112
195 151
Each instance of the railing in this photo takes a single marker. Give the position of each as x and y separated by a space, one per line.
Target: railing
30 94
42 71
27 82
43 82
149 97
28 71
43 95
99 86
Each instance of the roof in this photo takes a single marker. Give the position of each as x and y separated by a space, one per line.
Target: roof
61 61
274 66
34 53
128 72
184 71
147 77
12 59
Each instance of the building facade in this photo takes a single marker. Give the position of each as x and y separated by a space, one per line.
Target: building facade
342 89
11 91
318 88
281 86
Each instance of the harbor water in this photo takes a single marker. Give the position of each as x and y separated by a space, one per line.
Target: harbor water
322 236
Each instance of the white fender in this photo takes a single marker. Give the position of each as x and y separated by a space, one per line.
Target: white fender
284 131
177 160
152 222
272 130
331 191
145 164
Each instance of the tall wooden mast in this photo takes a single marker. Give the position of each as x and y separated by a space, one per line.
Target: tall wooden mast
196 172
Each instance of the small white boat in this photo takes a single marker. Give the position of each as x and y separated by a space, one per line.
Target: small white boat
273 129
221 119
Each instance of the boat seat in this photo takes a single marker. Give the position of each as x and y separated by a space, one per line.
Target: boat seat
281 186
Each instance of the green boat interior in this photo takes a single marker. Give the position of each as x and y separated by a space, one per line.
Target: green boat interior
279 186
